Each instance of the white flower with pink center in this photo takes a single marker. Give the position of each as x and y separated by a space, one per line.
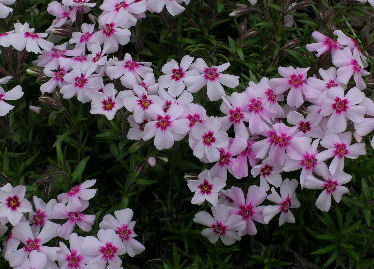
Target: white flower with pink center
269 172
97 56
285 201
175 75
248 208
172 6
294 79
4 9
167 127
207 138
148 84
352 44
78 3
124 10
222 225
129 71
212 77
34 249
136 131
84 38
106 102
339 147
75 257
142 104
121 223
74 216
240 163
63 14
339 106
207 187
303 156
236 112
323 44
51 59
166 100
104 250
332 185
14 94
112 33
79 194
79 83
24 37
13 203
308 126
57 80
278 141
349 66
195 113
44 212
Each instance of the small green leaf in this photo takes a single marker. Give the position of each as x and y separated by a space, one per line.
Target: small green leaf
324 250
77 174
142 181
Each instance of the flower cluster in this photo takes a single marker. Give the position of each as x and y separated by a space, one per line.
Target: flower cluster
28 243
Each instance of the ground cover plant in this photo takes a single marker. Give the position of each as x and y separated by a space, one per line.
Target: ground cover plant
235 134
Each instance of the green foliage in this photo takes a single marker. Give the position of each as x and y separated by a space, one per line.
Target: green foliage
64 144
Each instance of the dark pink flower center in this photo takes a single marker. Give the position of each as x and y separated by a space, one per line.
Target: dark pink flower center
2 95
194 119
246 211
39 218
330 185
309 161
355 45
248 151
59 75
255 106
163 122
219 228
80 59
108 251
131 65
271 95
304 126
208 138
356 66
331 84
74 191
340 105
121 5
108 30
124 232
75 216
97 57
167 105
331 44
142 125
85 37
58 53
32 245
296 80
13 202
144 102
284 140
4 34
31 35
340 150
74 259
225 158
211 74
273 138
205 187
108 104
266 170
285 205
178 74
236 115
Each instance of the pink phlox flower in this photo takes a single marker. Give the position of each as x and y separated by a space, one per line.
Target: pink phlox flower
212 77
240 163
352 44
207 138
323 44
338 147
50 59
122 224
106 102
97 55
57 80
285 201
75 256
207 187
83 38
338 106
308 126
331 186
195 113
79 194
44 212
269 172
222 225
14 94
64 14
167 100
136 131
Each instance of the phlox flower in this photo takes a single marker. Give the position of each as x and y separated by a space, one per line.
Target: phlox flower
365 127
167 127
269 172
195 113
104 250
13 203
212 77
338 106
24 37
97 55
148 83
207 187
129 71
14 94
338 147
79 195
166 100
222 225
75 257
294 79
44 212
172 6
207 138
285 201
84 38
78 3
136 131
34 249
349 66
4 9
57 80
62 13
80 83
74 216
323 44
309 125
122 224
240 163
248 208
175 75
331 186
50 60
106 102
352 44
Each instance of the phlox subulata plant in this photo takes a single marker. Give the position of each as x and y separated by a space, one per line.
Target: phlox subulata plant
296 122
